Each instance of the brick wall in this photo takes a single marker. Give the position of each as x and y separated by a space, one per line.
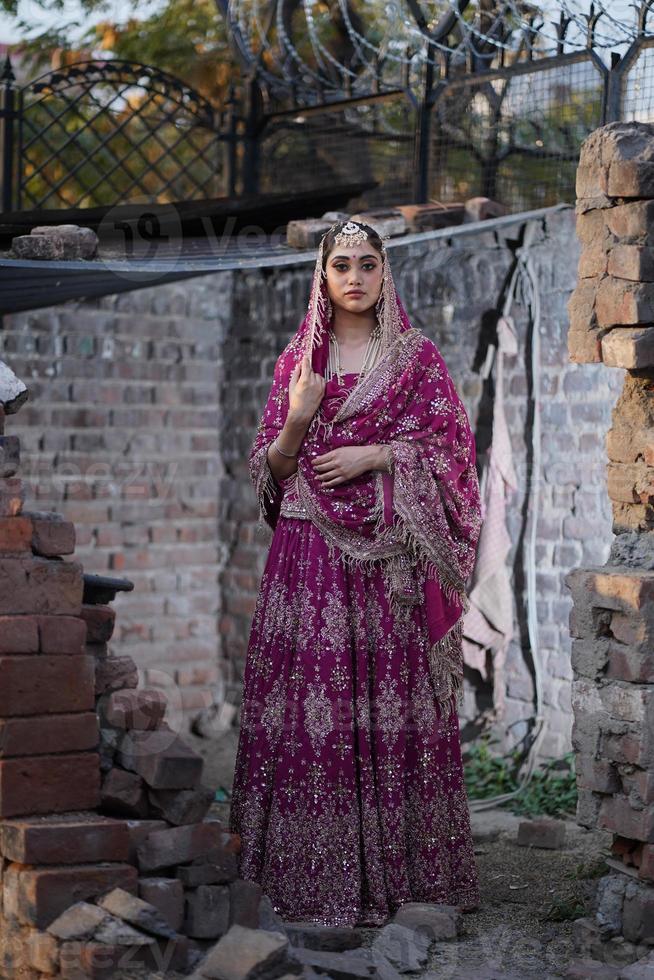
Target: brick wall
612 623
154 396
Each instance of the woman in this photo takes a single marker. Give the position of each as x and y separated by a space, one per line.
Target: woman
348 791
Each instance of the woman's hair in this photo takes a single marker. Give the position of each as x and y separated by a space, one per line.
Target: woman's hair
329 243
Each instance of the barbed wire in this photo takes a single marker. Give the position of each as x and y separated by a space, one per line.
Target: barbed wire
404 34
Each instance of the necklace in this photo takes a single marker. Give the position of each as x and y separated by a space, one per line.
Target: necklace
370 355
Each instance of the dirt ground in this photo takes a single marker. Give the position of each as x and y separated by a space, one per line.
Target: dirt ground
530 896
510 936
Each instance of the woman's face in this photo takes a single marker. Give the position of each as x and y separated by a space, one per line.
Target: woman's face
354 276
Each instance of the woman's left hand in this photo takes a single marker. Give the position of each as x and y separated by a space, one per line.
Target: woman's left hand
342 464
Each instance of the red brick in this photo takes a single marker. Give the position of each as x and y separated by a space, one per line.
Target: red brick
244 898
177 845
123 793
167 895
141 709
633 221
72 838
621 302
15 535
46 684
162 758
62 634
19 634
38 895
617 814
100 622
138 831
44 734
52 535
115 674
49 783
40 585
12 497
207 911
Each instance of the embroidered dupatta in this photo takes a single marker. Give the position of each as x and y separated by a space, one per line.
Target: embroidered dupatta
423 520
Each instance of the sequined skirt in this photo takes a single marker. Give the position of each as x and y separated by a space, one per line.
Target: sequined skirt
348 788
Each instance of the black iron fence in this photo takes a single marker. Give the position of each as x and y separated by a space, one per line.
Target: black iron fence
109 133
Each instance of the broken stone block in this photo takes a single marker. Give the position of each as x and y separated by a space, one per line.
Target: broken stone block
405 948
78 242
161 758
244 898
141 709
387 222
541 833
167 896
243 953
114 931
306 233
37 247
619 302
138 831
436 921
79 921
635 262
114 674
13 391
350 965
181 806
100 621
124 794
217 867
136 911
207 912
177 845
629 347
632 223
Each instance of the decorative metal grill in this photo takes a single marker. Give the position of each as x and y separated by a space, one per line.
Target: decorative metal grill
102 132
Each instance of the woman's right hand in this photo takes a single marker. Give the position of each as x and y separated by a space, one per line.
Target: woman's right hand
305 390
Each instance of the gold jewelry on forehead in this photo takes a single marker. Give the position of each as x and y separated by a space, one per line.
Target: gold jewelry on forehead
351 234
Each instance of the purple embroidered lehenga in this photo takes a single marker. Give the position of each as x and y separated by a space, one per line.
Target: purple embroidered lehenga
348 790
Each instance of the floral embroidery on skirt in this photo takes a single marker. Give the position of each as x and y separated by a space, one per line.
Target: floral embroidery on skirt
348 789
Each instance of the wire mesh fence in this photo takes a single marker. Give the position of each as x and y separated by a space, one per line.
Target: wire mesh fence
422 101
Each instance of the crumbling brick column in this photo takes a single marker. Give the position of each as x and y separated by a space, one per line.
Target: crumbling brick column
109 855
612 620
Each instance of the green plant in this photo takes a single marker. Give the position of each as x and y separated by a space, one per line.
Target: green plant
551 791
486 772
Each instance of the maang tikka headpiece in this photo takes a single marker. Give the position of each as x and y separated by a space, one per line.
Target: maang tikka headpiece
387 310
351 234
